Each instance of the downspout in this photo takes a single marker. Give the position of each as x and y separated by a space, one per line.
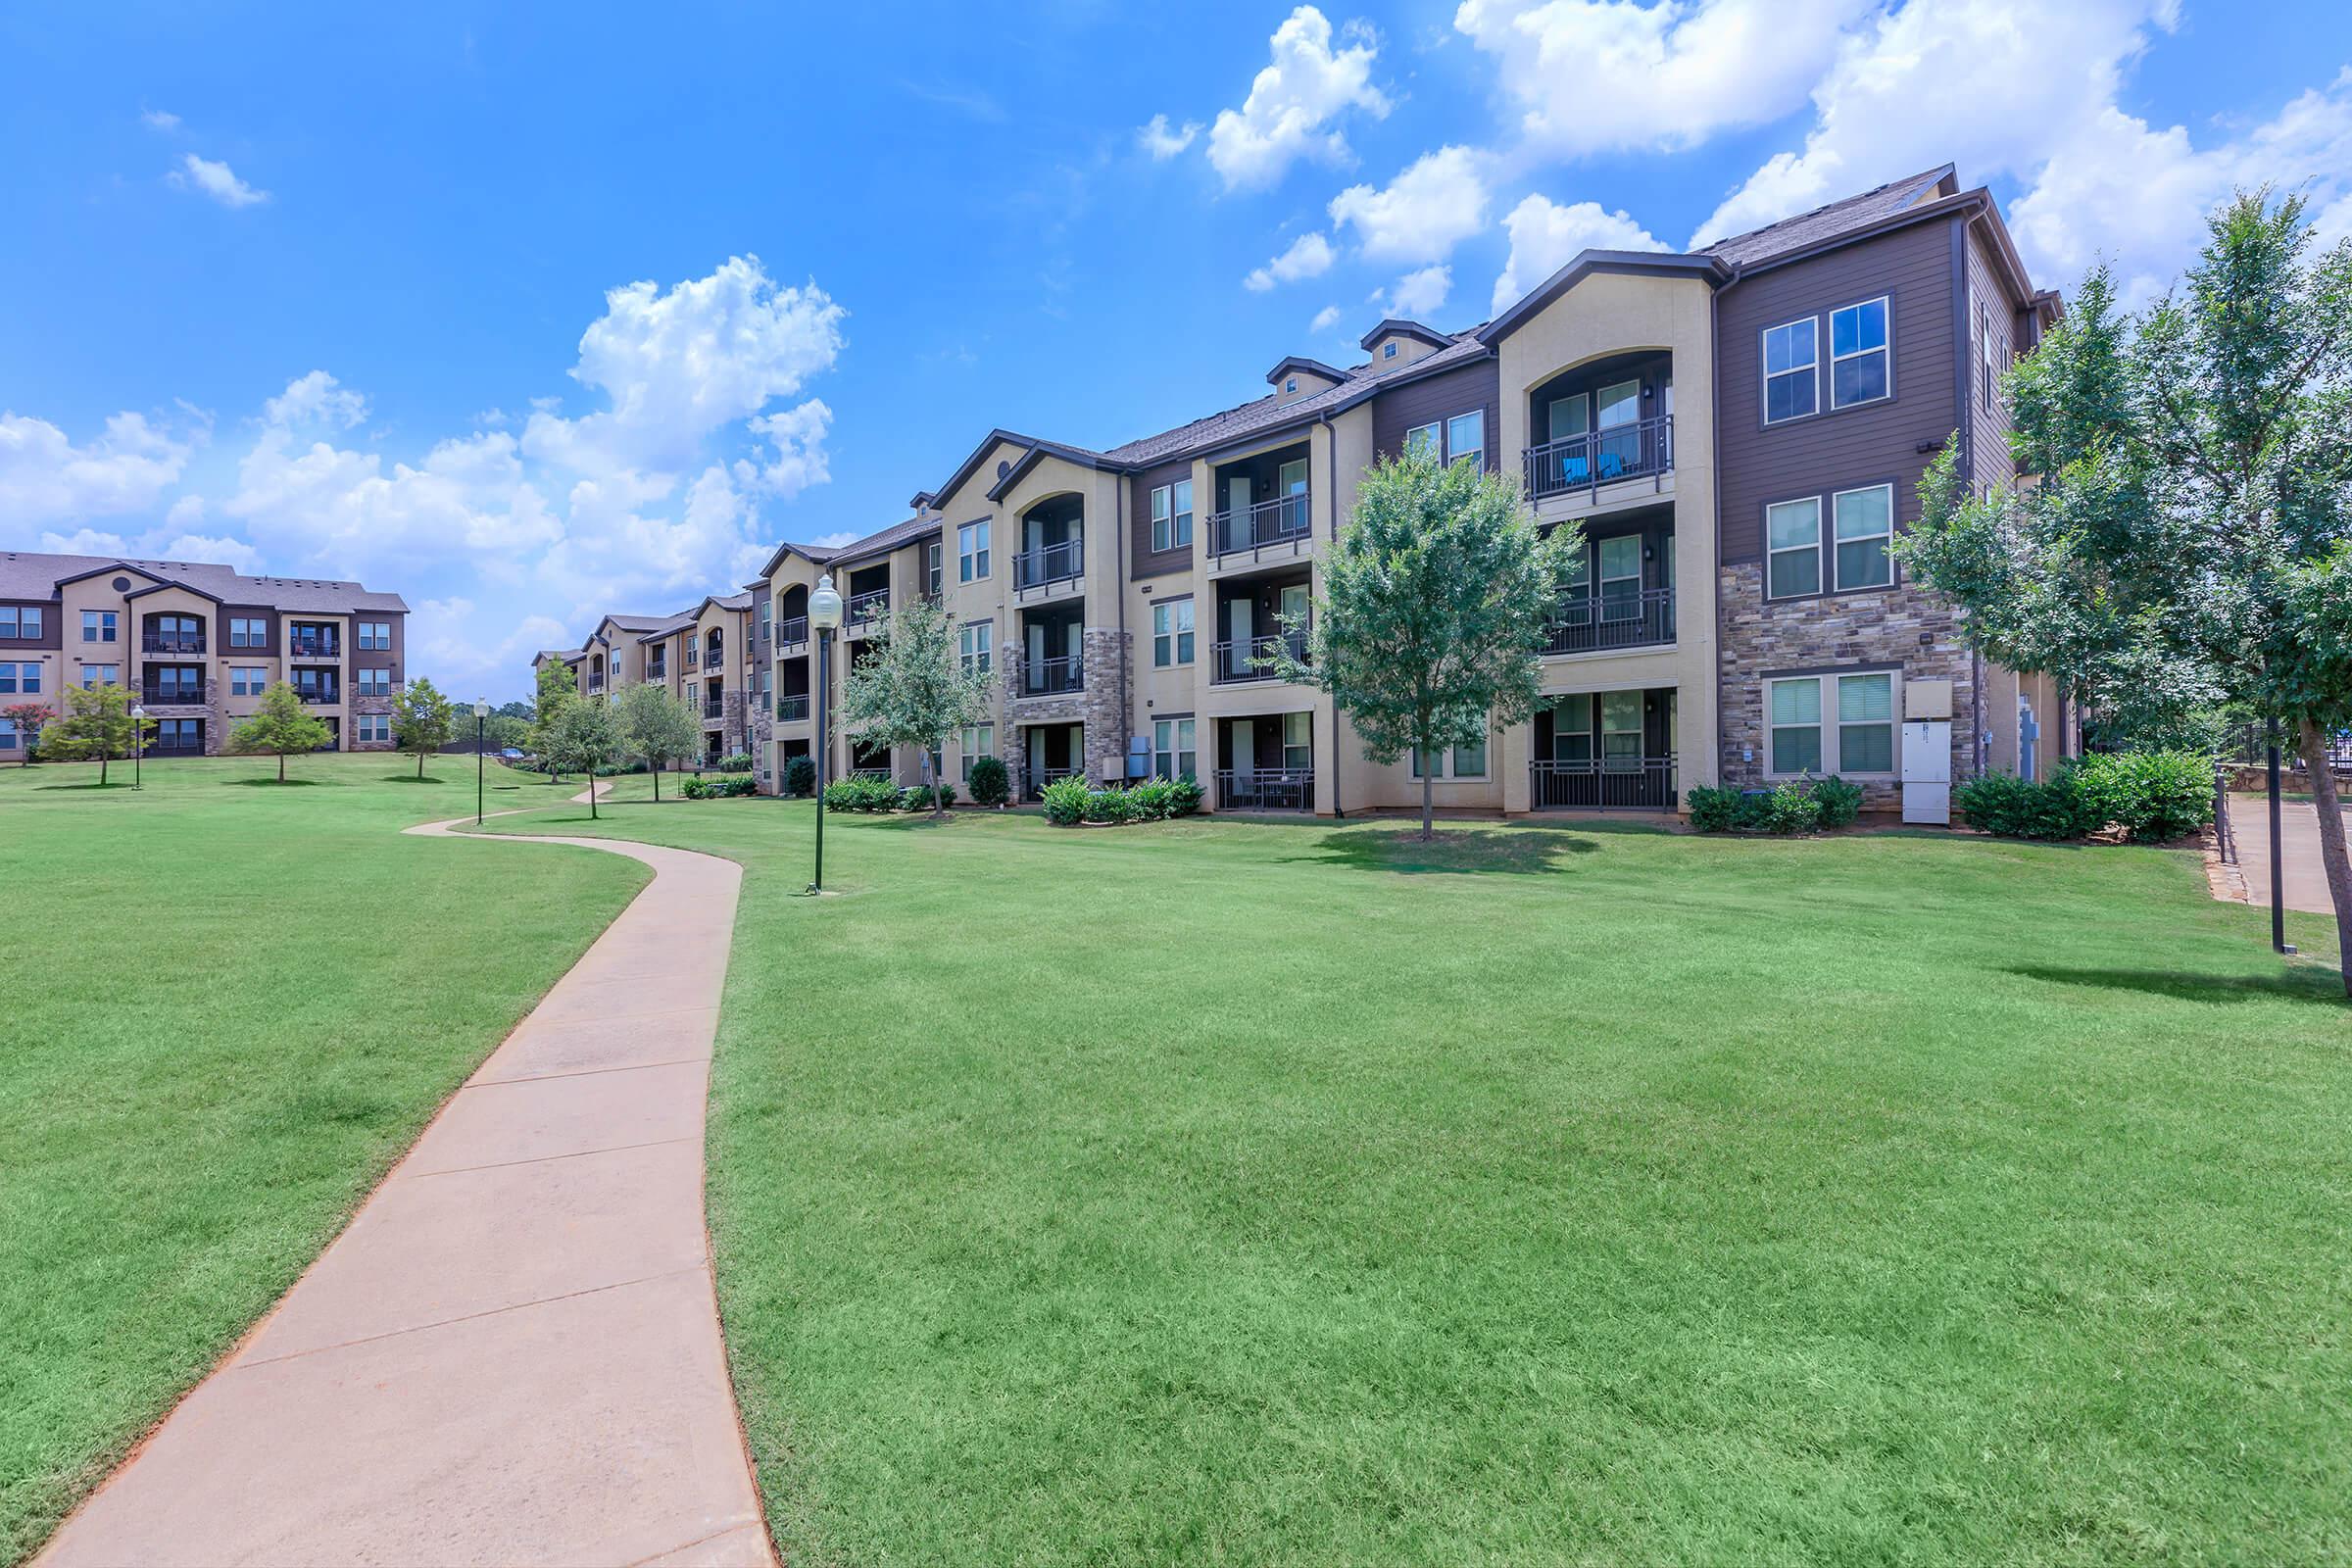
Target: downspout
1715 459
1331 471
1126 653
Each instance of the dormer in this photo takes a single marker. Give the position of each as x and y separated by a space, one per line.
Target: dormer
1301 377
1396 341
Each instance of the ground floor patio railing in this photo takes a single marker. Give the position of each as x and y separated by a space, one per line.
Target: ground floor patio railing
1602 784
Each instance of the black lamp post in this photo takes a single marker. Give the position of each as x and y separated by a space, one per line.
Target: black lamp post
824 614
481 716
138 744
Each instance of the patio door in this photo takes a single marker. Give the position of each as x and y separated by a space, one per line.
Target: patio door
1241 739
1294 611
1568 416
1290 483
1238 534
1621 731
1241 635
1620 578
1618 411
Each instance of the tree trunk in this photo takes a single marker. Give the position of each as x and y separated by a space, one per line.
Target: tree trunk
101 757
592 795
420 764
281 767
657 783
2333 856
1427 831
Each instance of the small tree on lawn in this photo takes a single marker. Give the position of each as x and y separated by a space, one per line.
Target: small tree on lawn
586 739
280 727
97 724
1438 598
558 689
659 727
29 718
2190 540
420 720
911 689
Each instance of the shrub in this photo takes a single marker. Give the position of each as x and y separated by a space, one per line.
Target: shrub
917 796
1109 805
2154 796
1067 801
991 784
1793 805
1714 809
1150 800
857 794
1841 803
2012 808
800 776
720 786
740 763
1791 808
1184 794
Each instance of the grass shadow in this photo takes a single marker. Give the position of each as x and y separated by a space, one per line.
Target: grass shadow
1455 850
110 784
411 778
274 783
2296 985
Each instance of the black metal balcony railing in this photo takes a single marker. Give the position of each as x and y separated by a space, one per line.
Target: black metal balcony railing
1583 622
792 634
176 748
714 708
793 710
1279 521
595 683
1039 569
313 648
171 642
324 695
1035 779
1603 784
1640 450
860 609
171 696
1046 677
1241 659
1266 789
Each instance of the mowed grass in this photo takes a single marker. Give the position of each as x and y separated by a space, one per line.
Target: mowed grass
1250 1193
226 1009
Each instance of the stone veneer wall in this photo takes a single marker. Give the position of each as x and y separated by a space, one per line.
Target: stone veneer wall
1103 653
731 702
1881 627
351 721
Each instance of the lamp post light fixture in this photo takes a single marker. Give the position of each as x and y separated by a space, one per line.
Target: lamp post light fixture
481 717
138 744
824 615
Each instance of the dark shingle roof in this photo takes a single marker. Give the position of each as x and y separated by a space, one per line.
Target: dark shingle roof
27 575
1823 225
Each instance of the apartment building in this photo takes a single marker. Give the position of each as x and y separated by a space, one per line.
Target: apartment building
1737 432
197 644
715 654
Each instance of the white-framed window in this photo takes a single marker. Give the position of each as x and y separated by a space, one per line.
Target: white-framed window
1792 547
98 626
8 735
766 625
375 636
1459 762
20 678
1172 515
1388 351
1858 739
19 621
93 675
972 742
1622 742
374 726
1791 371
1171 633
1864 524
975 646
247 633
1297 741
248 680
1173 755
1861 363
1289 383
378 683
971 551
1429 438
1467 437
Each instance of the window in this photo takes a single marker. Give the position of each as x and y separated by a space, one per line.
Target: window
101 675
1866 724
97 625
1427 438
1289 383
1858 357
24 621
246 680
1620 729
8 735
1862 741
971 551
1796 715
1172 633
974 742
1865 523
1388 351
931 579
763 604
1172 515
248 634
375 636
375 683
1988 350
1792 536
1173 755
1464 761
1791 360
25 678
1621 577
972 646
178 734
373 726
1572 728
1467 437
1298 742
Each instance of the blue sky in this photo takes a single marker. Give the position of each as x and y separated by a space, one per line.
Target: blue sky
531 314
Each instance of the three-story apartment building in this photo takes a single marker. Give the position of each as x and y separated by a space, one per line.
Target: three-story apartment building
715 656
1736 433
197 644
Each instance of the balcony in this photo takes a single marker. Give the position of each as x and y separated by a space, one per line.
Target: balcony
1581 465
866 607
314 648
1035 779
1050 677
714 708
1584 623
1282 520
323 695
793 710
1603 784
1042 569
176 748
171 642
171 696
1241 660
792 634
596 684
1266 789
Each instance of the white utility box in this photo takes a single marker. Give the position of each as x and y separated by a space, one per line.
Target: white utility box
1928 771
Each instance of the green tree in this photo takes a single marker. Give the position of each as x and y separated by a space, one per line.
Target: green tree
558 689
910 689
29 719
659 727
97 724
282 726
2188 541
586 738
1438 597
421 721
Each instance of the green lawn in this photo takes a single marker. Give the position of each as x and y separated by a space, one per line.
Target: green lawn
1257 1192
226 1009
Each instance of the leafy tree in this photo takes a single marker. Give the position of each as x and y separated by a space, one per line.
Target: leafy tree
421 721
498 731
558 689
2190 540
29 718
1438 597
659 727
586 738
97 723
280 726
911 689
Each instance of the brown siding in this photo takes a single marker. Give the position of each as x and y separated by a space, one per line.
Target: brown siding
1990 303
1476 385
1143 561
53 624
269 617
1836 449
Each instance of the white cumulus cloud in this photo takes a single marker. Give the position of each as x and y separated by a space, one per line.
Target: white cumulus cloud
1546 236
1433 206
1325 318
1294 100
1418 294
46 478
217 181
1308 256
1165 141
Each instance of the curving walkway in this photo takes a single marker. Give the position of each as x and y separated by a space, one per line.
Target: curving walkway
512 1355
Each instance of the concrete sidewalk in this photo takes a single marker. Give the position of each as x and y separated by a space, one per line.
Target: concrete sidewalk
513 1354
2305 881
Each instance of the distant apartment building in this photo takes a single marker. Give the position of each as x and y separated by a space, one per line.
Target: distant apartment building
197 644
1737 432
714 656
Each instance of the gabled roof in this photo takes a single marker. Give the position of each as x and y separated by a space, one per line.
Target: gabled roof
818 554
1587 263
1038 454
884 541
969 465
1838 219
1300 362
1400 326
31 574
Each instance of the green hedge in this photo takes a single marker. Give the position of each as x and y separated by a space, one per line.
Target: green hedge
720 786
1069 802
739 762
2151 797
1797 805
861 794
800 776
991 784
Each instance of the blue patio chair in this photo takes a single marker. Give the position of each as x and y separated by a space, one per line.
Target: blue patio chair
1574 469
1612 466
